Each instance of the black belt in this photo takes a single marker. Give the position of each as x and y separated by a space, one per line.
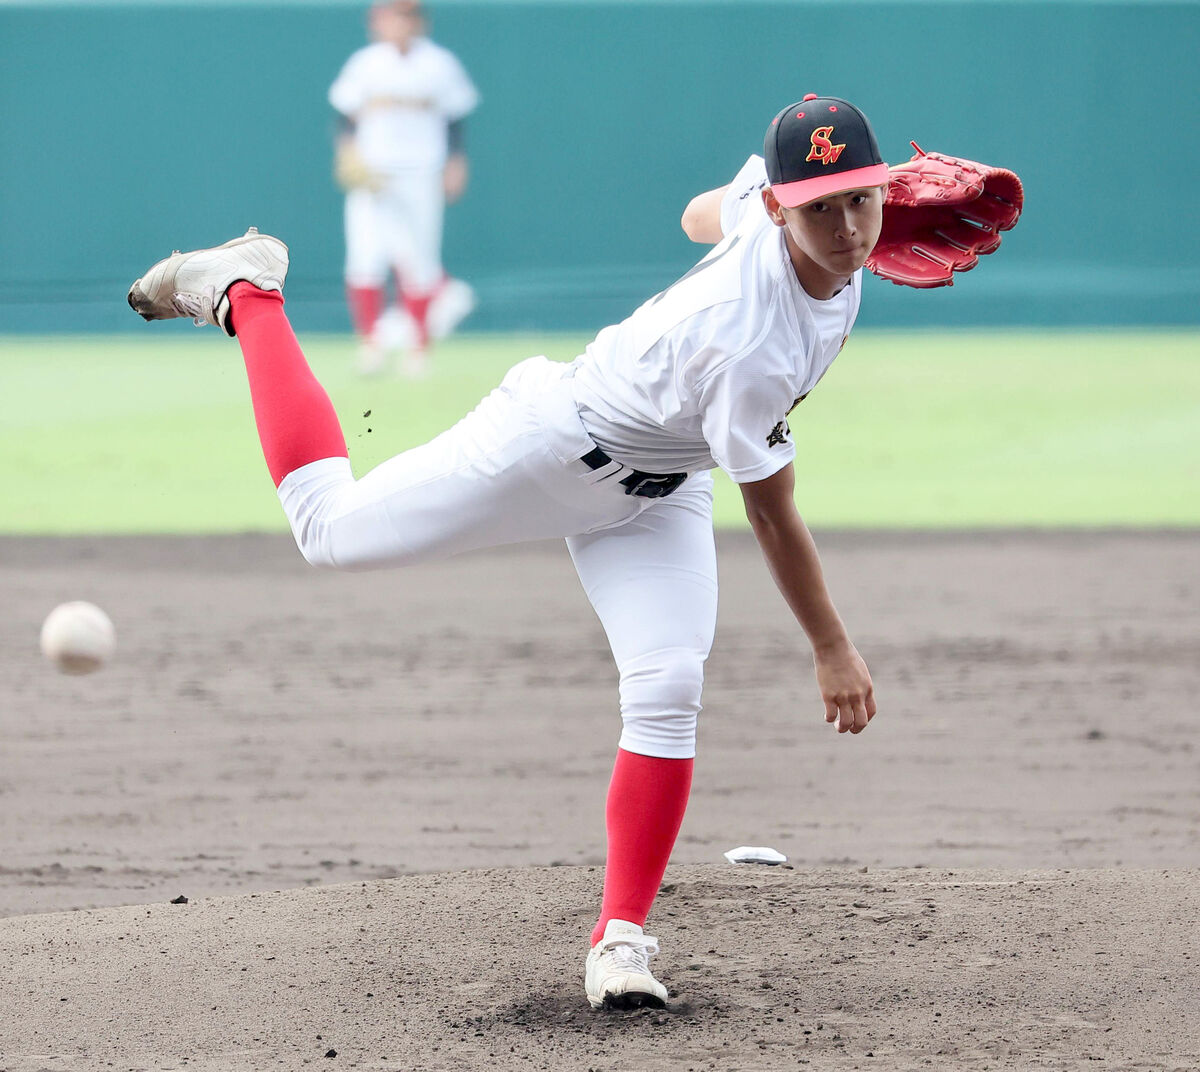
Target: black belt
647 485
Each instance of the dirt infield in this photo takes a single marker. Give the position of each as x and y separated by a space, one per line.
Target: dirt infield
266 726
896 970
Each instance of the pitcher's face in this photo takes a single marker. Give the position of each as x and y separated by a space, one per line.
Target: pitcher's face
830 239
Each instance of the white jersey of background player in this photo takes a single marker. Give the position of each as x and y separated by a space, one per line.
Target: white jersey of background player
403 100
613 452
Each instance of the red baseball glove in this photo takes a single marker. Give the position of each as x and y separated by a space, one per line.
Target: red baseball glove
940 215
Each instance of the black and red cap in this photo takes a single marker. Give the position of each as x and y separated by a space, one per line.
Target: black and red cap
819 147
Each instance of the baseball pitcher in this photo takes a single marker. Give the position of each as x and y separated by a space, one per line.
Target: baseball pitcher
614 450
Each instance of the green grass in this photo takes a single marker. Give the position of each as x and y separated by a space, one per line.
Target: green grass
154 433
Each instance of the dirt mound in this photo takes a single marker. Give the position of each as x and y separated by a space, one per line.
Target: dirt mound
767 968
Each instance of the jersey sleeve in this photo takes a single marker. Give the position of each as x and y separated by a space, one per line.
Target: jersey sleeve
349 91
743 194
743 416
458 97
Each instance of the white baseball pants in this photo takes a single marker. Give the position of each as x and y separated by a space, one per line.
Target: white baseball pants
510 472
398 228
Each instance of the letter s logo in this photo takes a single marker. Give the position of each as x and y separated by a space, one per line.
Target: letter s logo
823 148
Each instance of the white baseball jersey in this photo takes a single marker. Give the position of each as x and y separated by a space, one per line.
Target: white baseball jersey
401 103
705 373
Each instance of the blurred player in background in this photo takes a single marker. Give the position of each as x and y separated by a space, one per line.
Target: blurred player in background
402 102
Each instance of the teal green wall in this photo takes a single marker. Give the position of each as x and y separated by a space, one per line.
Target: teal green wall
131 129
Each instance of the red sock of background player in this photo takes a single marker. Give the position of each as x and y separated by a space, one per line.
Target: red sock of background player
646 801
366 305
418 308
296 421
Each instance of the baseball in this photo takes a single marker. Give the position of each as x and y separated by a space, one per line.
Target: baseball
78 637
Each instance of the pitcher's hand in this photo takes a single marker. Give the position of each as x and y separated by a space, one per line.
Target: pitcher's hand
845 684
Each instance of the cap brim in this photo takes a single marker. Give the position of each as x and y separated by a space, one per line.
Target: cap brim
795 194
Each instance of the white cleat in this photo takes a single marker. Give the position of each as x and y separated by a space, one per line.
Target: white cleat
395 330
618 970
195 284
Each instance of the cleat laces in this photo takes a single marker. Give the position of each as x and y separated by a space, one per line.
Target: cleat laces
630 957
198 306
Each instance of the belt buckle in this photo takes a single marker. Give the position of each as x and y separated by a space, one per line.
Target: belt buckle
649 486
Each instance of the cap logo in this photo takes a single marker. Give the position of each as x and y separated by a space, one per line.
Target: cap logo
823 148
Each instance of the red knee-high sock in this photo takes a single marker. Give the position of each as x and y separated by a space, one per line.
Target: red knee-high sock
646 801
296 421
366 305
418 308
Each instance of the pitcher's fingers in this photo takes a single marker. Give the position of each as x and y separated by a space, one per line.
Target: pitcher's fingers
831 711
860 715
870 704
845 717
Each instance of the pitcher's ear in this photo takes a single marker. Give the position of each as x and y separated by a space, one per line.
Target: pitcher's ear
773 207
